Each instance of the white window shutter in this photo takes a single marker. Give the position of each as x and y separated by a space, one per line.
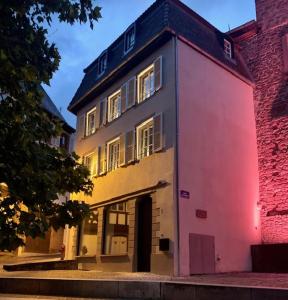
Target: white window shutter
95 164
158 73
122 150
123 97
131 94
285 52
130 146
97 124
158 133
102 160
80 127
103 112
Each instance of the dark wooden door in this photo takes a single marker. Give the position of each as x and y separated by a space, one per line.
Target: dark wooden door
144 240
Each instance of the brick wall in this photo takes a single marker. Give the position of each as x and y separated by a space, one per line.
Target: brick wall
263 53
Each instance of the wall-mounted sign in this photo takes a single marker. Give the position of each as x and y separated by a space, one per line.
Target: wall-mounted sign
200 213
184 194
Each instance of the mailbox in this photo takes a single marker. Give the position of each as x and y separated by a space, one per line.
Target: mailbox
164 244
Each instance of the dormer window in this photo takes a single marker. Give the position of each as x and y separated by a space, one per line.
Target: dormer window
129 39
102 64
227 48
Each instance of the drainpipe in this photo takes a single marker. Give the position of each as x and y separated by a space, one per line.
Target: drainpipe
176 166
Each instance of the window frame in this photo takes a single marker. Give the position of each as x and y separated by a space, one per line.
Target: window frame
126 35
109 144
92 168
92 110
108 211
150 69
102 63
139 138
118 92
227 48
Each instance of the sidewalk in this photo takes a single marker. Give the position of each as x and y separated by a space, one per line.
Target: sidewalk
262 280
233 279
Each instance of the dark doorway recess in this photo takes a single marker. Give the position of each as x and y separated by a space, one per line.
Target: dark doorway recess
144 236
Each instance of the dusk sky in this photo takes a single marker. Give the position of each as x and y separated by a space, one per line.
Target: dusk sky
79 45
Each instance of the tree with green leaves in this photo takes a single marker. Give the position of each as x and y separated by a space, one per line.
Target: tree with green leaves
32 173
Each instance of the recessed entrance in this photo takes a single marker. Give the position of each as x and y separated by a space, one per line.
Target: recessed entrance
144 233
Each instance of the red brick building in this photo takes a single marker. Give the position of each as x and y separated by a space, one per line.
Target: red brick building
264 46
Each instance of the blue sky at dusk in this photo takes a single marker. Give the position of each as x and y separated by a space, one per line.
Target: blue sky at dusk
79 45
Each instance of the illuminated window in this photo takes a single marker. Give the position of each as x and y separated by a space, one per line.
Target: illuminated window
90 163
145 139
91 121
114 106
227 48
129 39
113 154
89 232
146 86
116 229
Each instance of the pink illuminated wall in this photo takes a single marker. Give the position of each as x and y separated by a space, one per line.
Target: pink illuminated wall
217 161
266 54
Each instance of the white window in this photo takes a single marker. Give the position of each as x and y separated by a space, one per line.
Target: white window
227 48
146 87
89 162
113 154
129 39
145 139
116 229
102 64
91 121
114 106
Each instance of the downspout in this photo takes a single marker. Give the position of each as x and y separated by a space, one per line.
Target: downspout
176 164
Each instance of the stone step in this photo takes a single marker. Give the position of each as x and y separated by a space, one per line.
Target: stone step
117 289
42 265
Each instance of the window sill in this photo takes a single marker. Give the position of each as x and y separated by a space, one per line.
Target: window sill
113 255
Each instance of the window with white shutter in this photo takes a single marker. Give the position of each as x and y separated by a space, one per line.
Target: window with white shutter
145 139
149 80
114 106
146 84
113 154
130 147
157 133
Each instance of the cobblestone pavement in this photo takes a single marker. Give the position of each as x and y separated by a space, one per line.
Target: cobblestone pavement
245 279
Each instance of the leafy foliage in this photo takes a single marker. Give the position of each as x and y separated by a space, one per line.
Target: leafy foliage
32 173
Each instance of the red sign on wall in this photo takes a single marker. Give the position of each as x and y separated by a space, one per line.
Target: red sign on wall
202 214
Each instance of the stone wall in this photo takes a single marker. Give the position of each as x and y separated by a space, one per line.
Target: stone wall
263 53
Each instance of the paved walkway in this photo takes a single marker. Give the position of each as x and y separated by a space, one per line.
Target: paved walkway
226 279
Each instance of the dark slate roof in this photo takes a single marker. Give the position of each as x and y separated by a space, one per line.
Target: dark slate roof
51 108
162 16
